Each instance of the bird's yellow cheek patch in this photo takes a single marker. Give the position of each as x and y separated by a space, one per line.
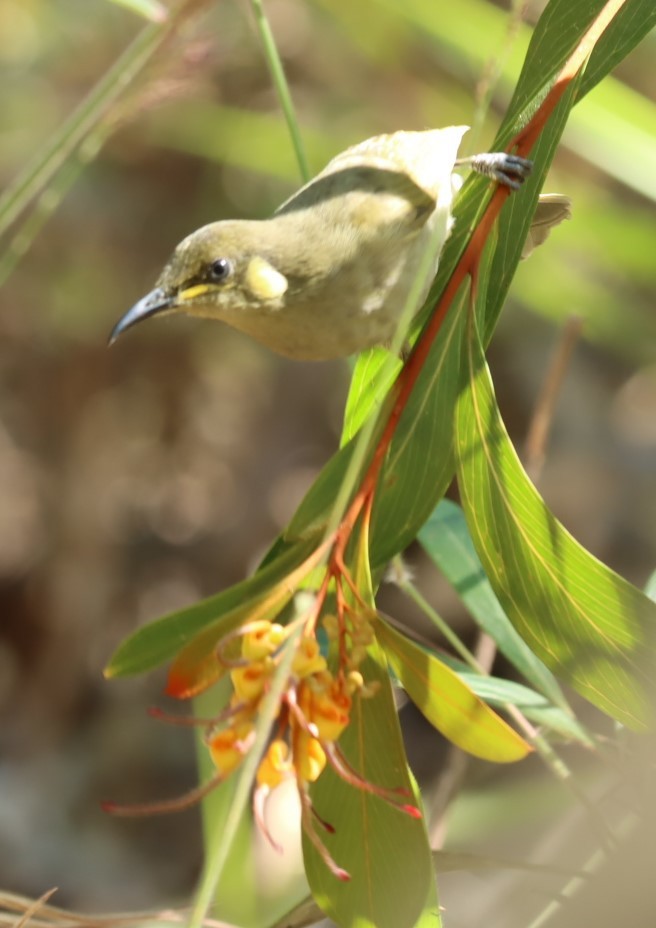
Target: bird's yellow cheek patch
264 281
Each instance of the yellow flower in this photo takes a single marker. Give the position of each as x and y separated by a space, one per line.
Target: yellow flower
229 746
261 639
276 765
309 756
327 705
308 659
249 681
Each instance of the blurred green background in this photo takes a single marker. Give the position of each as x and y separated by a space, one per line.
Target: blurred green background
137 479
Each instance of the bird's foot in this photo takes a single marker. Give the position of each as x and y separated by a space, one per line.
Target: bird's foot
510 170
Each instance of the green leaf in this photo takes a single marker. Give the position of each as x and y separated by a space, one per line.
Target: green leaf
587 624
385 851
374 748
158 642
446 540
448 703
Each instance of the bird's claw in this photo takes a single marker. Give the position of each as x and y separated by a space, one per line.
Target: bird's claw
506 169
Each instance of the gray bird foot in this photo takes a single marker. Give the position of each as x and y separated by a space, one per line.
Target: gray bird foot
510 170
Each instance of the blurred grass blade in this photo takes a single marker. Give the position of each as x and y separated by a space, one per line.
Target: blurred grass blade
218 851
448 702
49 200
40 171
282 87
153 10
446 540
587 624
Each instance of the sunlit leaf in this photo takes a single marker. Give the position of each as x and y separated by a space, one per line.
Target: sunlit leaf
389 841
448 703
196 667
587 624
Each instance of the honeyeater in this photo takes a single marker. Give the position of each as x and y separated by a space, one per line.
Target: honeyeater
329 273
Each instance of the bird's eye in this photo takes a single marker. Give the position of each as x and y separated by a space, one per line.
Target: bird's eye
220 269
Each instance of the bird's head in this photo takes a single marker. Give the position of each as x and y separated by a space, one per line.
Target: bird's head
217 271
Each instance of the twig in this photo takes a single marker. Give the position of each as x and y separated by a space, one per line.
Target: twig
542 418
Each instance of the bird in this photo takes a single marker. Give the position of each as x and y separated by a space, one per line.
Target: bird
328 275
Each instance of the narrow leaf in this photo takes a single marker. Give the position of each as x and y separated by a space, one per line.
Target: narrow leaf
448 703
373 376
586 623
196 667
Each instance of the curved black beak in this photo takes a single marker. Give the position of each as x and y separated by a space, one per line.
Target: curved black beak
154 302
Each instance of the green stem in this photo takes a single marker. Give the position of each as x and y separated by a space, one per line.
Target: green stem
282 87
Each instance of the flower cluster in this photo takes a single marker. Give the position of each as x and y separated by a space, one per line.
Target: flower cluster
314 711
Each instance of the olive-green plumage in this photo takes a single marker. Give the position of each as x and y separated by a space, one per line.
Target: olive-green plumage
328 275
